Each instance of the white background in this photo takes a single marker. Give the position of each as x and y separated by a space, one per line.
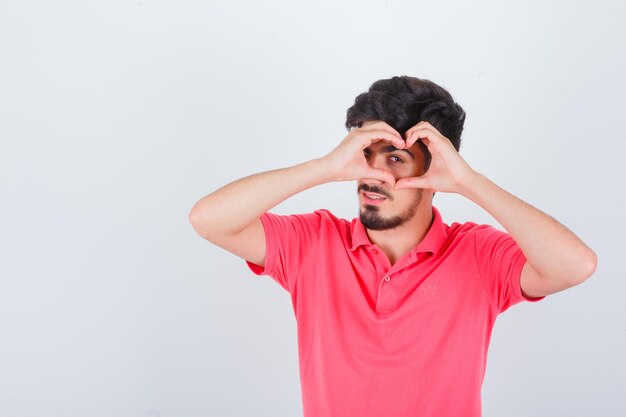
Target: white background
117 116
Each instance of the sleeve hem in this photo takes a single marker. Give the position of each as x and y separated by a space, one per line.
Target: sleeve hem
517 275
269 249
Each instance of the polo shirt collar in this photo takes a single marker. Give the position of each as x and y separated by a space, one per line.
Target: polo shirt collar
432 242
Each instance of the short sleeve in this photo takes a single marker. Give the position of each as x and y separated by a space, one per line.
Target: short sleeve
290 242
500 262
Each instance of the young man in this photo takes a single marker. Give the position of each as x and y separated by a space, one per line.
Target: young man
394 308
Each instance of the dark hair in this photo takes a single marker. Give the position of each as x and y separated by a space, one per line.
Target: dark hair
404 101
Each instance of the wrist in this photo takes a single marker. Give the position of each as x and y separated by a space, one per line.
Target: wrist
324 169
470 183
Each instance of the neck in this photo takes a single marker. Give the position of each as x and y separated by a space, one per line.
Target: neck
399 241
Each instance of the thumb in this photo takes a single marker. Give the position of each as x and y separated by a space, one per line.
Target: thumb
412 182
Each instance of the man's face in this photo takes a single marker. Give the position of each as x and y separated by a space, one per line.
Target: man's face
398 206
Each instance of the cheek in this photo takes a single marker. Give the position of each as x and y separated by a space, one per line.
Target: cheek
408 196
407 171
405 196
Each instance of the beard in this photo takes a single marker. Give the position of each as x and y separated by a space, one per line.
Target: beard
372 219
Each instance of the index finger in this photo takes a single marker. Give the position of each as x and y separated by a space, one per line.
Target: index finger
384 126
416 135
372 136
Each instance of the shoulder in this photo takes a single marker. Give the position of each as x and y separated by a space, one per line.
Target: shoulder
455 232
457 228
317 219
328 219
473 234
327 216
485 239
334 228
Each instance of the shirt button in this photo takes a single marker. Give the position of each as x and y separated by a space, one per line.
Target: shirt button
387 278
375 252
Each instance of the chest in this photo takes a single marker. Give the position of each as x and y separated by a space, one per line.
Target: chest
366 280
419 304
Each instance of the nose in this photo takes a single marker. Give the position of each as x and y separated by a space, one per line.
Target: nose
376 160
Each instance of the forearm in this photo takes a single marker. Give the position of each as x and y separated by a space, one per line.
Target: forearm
231 208
552 250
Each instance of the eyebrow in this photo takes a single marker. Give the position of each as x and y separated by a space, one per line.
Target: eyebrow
391 148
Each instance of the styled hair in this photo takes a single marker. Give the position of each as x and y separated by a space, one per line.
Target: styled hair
402 102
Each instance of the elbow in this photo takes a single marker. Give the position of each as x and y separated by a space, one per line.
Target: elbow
194 222
198 224
198 214
193 216
207 224
592 263
588 267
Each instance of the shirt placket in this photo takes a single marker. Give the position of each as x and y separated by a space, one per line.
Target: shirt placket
387 296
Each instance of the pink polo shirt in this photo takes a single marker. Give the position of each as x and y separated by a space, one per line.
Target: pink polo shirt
376 340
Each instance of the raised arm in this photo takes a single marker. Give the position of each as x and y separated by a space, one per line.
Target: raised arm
556 259
229 216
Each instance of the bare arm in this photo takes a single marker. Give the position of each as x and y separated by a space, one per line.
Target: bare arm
556 258
229 216
231 208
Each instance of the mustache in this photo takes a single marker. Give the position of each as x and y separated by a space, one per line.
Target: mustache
372 189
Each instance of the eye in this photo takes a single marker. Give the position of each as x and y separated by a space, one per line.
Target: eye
400 160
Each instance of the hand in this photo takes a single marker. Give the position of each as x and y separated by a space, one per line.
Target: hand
347 161
448 172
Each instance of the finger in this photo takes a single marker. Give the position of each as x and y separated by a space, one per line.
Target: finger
419 134
420 125
369 137
387 127
381 174
413 135
412 182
